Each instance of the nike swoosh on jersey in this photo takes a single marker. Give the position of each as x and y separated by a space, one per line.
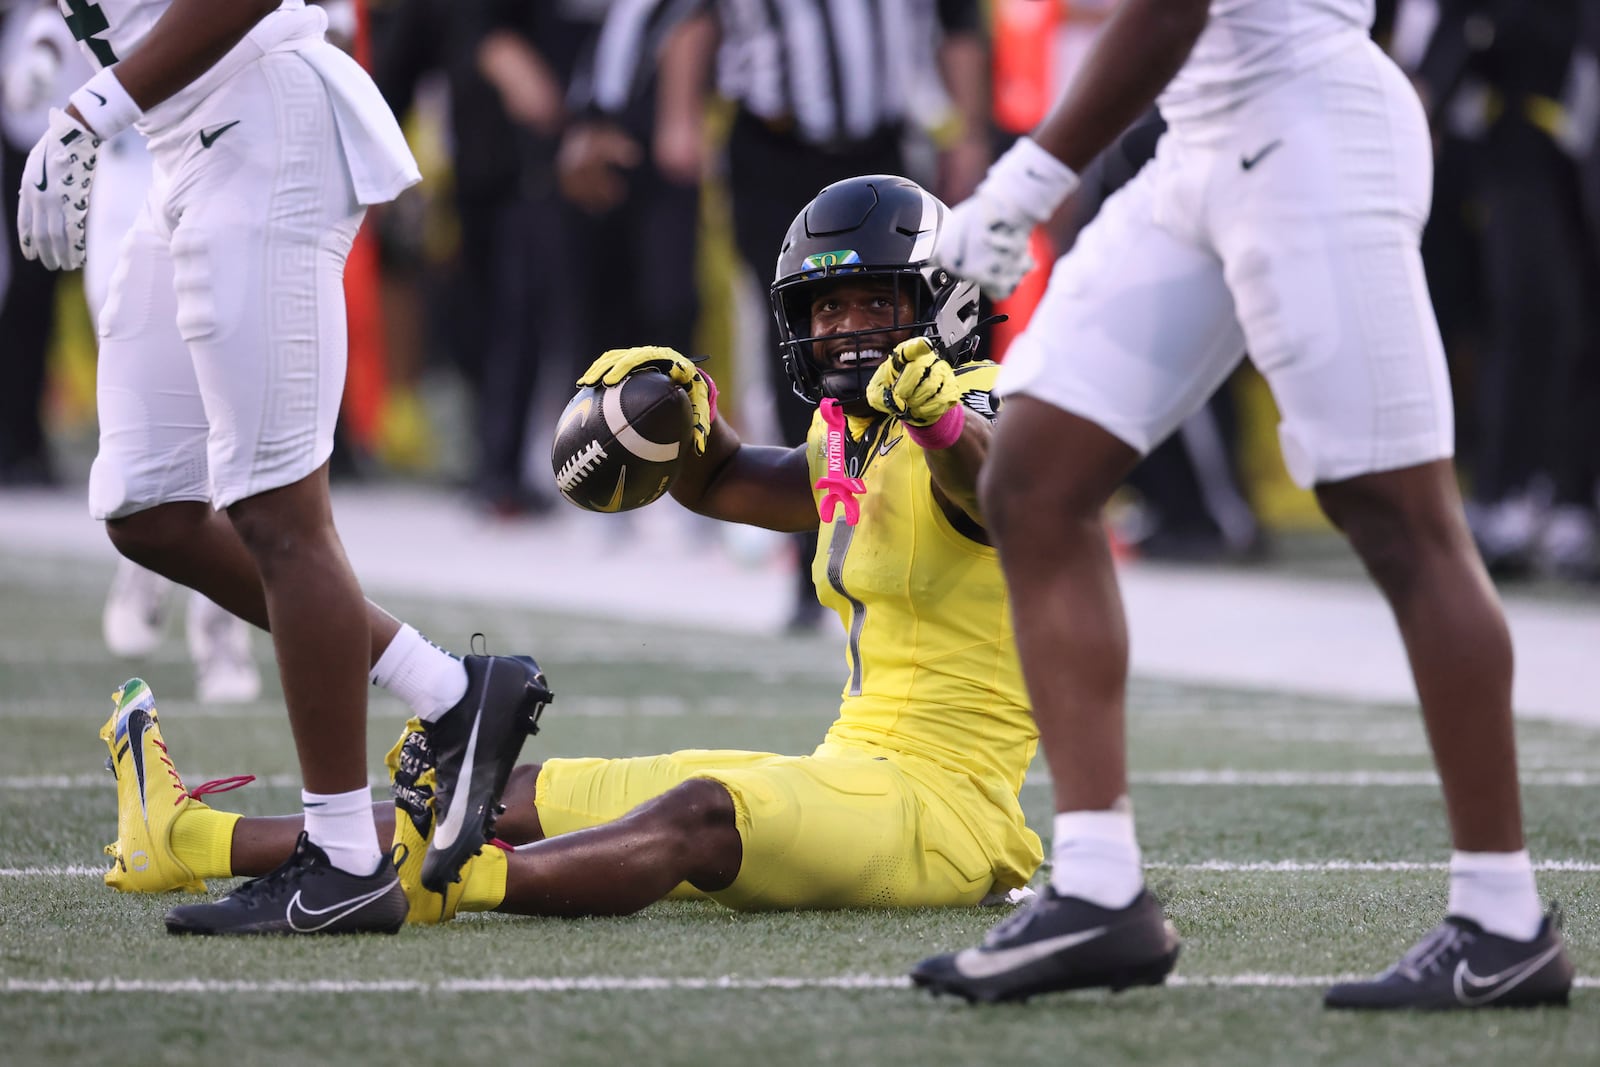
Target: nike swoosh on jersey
986 963
883 449
339 910
1246 162
1471 990
209 137
445 834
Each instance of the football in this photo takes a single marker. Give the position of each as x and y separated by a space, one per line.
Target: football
618 447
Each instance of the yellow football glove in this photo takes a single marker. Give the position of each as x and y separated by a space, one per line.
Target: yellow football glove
617 364
915 383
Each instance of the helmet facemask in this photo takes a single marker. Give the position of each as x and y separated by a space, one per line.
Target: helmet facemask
928 302
876 228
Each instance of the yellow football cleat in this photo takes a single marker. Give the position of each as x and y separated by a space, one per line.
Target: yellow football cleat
150 797
412 780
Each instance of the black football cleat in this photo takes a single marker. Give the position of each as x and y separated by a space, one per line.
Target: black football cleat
475 745
1459 964
306 895
1058 943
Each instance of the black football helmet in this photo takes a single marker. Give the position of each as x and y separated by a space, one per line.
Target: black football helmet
878 225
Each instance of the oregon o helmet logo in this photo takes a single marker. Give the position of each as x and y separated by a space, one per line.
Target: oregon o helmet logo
826 261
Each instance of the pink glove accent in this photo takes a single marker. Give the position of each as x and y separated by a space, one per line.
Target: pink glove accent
711 390
837 487
941 434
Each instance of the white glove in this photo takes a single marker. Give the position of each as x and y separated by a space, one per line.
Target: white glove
53 204
30 78
985 239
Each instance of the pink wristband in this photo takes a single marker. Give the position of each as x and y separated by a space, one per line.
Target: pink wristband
711 392
941 434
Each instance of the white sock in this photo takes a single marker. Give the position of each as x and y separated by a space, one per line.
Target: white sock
1496 891
341 825
1096 857
422 674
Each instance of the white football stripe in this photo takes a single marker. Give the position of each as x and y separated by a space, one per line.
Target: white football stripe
627 436
927 228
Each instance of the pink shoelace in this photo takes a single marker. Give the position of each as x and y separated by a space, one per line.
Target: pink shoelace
216 785
837 487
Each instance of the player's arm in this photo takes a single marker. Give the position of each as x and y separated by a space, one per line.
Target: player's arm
759 485
1142 46
955 468
718 474
185 42
919 386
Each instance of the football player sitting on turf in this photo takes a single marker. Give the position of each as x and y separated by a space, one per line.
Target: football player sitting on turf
911 799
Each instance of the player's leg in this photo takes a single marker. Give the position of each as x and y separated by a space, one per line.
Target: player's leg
1135 331
753 831
150 480
1324 264
271 211
687 834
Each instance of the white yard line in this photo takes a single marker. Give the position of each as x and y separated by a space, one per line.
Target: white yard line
1224 777
1205 625
1353 779
1202 866
596 984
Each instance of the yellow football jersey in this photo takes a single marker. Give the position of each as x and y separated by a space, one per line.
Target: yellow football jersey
932 664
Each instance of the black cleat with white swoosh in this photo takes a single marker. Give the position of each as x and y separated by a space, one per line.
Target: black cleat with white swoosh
1058 943
1459 964
306 895
475 745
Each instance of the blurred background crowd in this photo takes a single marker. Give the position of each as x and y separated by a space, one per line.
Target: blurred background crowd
603 173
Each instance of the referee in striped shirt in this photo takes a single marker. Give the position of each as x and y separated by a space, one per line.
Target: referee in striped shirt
825 90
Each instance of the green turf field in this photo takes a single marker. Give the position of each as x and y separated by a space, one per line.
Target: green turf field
1292 839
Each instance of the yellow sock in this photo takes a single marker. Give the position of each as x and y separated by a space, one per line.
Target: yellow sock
485 880
202 839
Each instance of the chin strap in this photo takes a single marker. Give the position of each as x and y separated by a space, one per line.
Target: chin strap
837 487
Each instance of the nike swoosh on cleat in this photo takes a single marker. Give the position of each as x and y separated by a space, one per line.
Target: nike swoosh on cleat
1472 991
137 746
341 909
445 833
986 963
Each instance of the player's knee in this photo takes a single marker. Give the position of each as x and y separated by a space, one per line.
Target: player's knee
704 820
277 532
1394 537
147 537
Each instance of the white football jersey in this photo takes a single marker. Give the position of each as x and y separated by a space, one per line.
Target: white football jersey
108 31
1249 45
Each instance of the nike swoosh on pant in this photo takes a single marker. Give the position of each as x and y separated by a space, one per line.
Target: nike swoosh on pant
986 963
341 909
444 835
1472 990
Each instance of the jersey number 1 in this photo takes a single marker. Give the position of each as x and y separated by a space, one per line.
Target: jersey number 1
85 21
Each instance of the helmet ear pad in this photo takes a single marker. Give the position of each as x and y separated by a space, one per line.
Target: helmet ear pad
955 315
